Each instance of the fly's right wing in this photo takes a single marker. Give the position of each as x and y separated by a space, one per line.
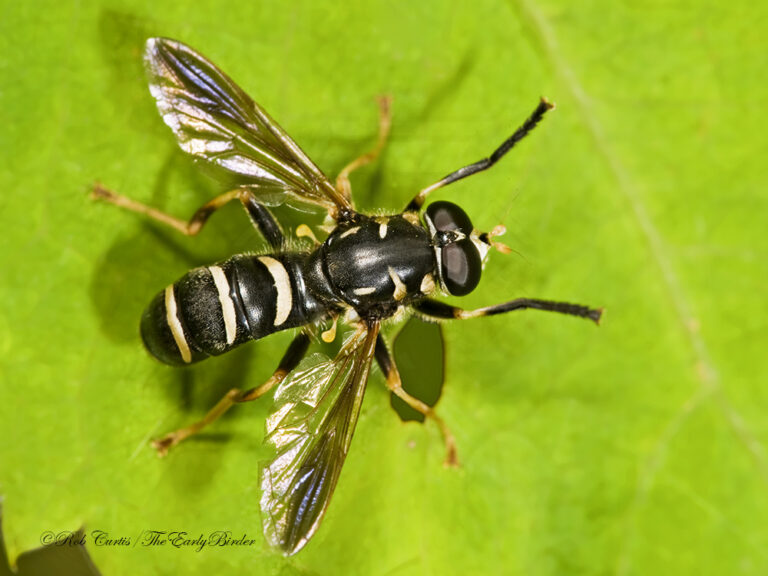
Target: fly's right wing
315 413
214 120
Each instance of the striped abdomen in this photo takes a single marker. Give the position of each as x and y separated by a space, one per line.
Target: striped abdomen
215 308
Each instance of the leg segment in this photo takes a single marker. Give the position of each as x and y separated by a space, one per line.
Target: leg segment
439 310
388 367
385 121
290 360
263 220
259 214
485 163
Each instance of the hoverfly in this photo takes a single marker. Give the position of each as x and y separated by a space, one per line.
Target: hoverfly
366 270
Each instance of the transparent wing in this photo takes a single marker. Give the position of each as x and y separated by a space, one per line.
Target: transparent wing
214 120
311 427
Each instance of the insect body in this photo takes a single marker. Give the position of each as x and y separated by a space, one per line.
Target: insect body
216 308
372 266
367 270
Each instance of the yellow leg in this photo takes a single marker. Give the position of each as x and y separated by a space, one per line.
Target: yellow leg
395 384
190 228
385 121
290 360
234 396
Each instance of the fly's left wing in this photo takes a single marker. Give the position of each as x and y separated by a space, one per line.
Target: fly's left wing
214 120
311 427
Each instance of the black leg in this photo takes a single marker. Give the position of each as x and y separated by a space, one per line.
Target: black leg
388 367
259 214
291 359
439 310
263 220
485 163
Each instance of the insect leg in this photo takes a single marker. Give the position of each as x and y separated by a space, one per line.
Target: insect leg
485 163
262 218
385 121
259 214
441 311
389 368
290 360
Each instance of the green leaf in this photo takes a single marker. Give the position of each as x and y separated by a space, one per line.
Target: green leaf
636 448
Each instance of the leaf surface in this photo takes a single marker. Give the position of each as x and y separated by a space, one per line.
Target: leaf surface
638 448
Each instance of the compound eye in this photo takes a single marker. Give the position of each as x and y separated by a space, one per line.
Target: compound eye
447 216
461 267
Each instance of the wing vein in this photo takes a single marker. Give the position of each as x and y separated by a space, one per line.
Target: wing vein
311 428
214 120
